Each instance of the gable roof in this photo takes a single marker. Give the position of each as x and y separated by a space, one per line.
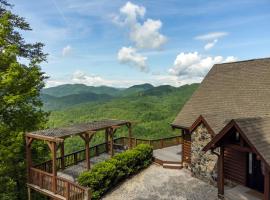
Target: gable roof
229 91
256 131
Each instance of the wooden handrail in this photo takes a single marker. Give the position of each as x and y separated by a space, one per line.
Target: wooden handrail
64 187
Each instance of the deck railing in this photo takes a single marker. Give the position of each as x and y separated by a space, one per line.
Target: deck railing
155 143
64 187
79 156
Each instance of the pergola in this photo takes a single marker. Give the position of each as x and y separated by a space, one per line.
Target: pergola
55 139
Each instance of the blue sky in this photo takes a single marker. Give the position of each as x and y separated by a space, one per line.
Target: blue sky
122 43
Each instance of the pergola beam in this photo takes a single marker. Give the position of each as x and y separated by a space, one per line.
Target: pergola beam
45 138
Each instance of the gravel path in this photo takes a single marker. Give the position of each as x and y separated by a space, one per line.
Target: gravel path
158 183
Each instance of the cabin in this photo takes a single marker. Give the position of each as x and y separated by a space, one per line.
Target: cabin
226 127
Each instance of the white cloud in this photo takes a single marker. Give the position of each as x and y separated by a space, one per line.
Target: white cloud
132 11
129 55
193 66
210 45
146 34
211 36
66 50
80 77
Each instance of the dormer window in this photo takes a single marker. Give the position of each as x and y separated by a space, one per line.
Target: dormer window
237 136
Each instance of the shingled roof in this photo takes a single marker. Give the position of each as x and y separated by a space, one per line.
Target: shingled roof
229 91
256 131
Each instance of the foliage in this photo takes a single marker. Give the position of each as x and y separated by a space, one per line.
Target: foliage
52 102
20 105
104 175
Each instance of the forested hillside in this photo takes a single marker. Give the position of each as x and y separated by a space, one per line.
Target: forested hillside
152 110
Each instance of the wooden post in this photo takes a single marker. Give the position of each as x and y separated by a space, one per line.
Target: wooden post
111 142
62 146
266 184
28 157
54 167
29 193
87 151
221 172
129 136
178 140
107 140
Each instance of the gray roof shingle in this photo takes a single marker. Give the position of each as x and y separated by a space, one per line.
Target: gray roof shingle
257 131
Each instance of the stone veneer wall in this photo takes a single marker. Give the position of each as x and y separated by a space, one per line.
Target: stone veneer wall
203 165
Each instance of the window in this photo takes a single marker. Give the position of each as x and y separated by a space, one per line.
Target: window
250 160
237 137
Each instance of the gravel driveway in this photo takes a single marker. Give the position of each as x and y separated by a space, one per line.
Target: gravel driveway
157 183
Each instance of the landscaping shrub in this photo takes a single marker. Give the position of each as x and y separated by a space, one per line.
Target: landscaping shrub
106 174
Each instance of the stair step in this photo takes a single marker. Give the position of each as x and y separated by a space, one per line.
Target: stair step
172 166
172 162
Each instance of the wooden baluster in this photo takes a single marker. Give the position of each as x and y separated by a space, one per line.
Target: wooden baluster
96 150
40 180
67 191
87 195
75 158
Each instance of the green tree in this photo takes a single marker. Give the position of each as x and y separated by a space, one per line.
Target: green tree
20 104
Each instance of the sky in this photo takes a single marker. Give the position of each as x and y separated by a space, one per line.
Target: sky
123 43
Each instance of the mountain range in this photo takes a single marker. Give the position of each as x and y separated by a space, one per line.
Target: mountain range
67 95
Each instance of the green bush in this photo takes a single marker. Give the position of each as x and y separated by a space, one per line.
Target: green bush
106 174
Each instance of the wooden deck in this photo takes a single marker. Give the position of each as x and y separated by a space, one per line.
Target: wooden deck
169 157
173 153
72 173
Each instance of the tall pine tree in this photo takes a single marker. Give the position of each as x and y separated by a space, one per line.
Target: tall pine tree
20 104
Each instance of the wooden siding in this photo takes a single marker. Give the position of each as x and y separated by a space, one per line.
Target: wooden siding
187 148
235 165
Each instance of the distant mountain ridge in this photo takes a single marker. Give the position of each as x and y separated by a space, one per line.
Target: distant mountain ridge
69 89
54 103
64 96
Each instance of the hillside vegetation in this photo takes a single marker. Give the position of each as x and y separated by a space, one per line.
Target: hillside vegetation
152 110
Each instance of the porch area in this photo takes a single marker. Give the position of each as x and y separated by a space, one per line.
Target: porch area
241 192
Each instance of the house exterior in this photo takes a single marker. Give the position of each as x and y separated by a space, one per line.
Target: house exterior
226 126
